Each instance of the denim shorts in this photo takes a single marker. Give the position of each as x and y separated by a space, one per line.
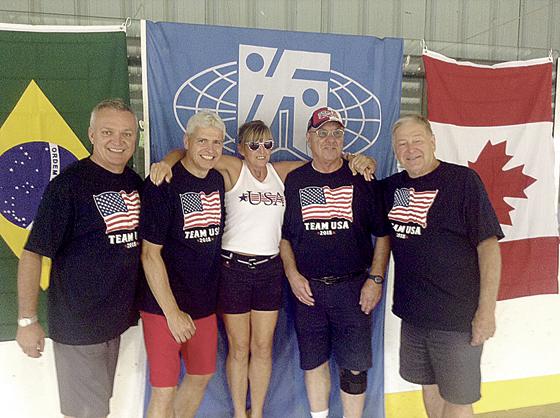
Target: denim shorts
254 286
445 358
334 325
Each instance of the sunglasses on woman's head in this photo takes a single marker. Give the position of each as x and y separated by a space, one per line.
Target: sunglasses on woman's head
253 146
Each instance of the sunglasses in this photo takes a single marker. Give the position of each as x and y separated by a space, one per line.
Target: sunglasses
253 146
323 133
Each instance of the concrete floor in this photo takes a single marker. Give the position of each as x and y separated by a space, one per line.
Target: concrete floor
546 411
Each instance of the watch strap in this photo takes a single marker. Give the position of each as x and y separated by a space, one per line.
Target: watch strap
25 322
377 279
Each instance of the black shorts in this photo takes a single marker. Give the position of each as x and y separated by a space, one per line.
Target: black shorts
336 323
446 358
247 285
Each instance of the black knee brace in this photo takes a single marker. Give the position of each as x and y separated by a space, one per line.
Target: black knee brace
354 384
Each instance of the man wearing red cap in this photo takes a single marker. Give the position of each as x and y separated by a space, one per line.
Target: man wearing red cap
326 249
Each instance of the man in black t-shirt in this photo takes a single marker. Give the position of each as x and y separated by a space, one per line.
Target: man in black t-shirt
326 249
87 225
447 269
181 229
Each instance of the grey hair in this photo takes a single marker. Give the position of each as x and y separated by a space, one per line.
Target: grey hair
114 104
415 117
205 119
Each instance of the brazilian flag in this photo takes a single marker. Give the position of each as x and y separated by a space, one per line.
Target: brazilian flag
50 79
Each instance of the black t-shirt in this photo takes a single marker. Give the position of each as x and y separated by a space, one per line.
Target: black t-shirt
186 217
87 224
330 219
438 220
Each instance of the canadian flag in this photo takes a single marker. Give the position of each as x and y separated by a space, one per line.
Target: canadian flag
498 121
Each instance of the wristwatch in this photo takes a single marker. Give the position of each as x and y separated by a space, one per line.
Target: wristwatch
377 279
25 322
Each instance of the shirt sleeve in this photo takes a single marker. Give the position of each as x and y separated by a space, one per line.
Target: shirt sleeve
380 225
155 214
480 217
291 205
54 219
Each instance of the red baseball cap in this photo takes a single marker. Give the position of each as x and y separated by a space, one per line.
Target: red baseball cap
323 115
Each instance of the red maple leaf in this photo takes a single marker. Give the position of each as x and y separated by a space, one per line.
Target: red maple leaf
500 183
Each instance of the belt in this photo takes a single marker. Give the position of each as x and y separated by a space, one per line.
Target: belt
339 279
251 261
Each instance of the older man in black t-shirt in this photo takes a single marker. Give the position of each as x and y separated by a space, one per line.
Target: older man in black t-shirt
87 224
326 249
447 270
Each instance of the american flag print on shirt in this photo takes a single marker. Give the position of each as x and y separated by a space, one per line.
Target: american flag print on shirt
120 210
201 210
326 203
412 206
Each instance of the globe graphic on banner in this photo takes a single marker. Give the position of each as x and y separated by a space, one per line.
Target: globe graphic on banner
216 89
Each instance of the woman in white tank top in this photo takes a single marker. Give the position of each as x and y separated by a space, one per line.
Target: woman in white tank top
252 273
250 292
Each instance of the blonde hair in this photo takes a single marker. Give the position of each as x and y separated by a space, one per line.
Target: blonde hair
417 118
114 104
205 119
253 131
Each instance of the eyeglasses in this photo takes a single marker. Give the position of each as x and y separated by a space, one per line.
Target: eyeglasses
324 133
253 146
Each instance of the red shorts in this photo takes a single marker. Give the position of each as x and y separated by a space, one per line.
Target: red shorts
199 353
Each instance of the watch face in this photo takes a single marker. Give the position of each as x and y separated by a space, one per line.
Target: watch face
24 322
377 279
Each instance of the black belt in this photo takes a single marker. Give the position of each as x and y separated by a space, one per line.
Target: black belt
251 261
339 279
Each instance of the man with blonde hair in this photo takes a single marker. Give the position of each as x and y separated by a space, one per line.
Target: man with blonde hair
181 228
447 270
87 224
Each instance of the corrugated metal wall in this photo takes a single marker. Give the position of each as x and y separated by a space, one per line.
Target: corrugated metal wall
484 31
513 23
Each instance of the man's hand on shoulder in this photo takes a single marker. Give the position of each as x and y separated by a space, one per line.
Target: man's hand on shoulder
362 164
31 339
159 172
300 288
370 296
483 326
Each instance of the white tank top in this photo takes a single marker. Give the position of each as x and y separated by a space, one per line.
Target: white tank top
254 213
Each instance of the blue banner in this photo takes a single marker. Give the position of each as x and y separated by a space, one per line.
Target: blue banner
278 77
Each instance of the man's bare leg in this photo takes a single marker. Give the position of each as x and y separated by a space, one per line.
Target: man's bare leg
190 394
161 402
437 407
318 386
